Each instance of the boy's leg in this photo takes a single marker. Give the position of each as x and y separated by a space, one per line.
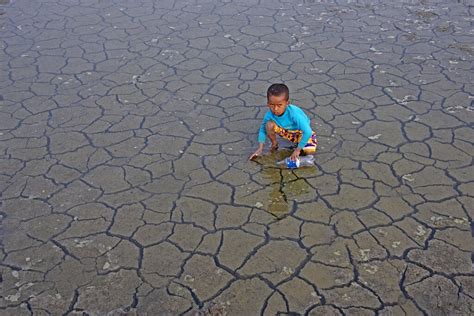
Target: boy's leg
311 146
295 137
270 127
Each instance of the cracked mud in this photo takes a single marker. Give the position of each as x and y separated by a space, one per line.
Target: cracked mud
124 132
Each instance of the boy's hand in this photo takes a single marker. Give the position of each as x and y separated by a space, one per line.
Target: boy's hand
257 153
295 154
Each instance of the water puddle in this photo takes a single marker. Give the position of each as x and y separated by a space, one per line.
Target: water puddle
285 186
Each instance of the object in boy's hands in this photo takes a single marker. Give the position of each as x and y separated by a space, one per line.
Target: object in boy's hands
305 161
286 120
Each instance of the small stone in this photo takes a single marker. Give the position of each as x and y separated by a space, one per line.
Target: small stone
371 269
188 278
364 253
382 232
287 270
374 137
420 231
13 298
459 221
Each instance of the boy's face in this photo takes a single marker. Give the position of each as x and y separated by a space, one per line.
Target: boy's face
278 104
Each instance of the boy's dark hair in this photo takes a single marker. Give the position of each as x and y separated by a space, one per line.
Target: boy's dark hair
277 89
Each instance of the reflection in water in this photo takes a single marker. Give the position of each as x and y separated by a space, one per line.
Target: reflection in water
285 185
277 203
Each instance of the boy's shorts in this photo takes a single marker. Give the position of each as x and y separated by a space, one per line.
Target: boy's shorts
295 137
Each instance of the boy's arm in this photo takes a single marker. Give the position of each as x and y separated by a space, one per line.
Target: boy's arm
262 137
258 152
305 127
307 132
262 132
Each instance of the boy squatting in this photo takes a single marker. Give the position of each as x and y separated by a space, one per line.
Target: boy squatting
287 120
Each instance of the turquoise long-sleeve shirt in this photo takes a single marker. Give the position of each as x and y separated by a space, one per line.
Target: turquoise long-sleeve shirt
292 119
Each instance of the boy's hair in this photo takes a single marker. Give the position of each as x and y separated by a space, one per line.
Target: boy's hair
277 89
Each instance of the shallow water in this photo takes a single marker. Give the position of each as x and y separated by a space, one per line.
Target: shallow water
125 128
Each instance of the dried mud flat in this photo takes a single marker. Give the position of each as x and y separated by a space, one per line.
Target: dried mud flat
124 132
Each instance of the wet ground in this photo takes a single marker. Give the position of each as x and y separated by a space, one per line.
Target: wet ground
125 128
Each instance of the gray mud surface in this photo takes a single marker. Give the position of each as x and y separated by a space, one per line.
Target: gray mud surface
125 128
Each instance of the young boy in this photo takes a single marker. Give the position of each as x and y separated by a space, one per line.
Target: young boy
286 120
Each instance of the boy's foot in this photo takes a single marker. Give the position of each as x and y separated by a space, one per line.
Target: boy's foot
274 148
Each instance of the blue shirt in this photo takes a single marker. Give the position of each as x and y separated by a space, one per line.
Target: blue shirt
292 119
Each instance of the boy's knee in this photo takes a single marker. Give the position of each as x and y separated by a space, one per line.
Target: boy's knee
270 126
